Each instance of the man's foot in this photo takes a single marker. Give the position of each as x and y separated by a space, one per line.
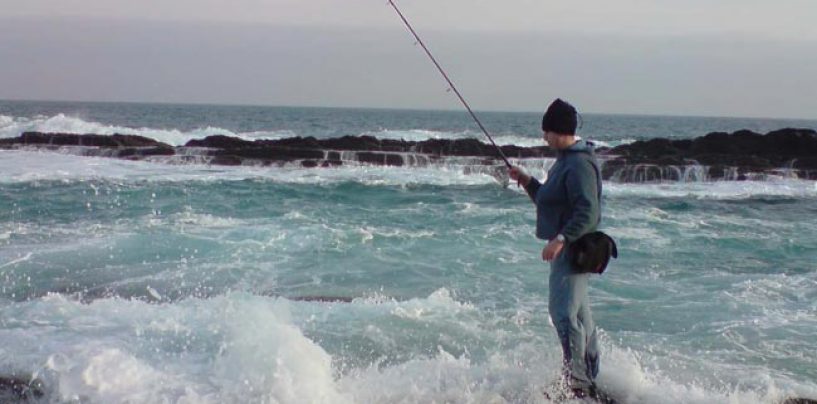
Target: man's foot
562 390
558 392
592 392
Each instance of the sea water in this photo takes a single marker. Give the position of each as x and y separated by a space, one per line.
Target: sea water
139 282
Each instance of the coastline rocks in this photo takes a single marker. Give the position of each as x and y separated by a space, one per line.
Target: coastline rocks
742 155
738 156
438 147
92 140
116 145
776 146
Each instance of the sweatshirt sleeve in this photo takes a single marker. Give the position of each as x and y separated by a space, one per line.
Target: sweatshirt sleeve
532 188
582 193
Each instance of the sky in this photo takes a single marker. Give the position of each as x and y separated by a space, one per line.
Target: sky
671 57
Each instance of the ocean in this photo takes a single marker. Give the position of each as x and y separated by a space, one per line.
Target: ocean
139 282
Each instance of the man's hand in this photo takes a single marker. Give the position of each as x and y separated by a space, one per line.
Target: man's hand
552 250
519 176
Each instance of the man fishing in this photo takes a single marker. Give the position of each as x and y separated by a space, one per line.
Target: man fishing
567 207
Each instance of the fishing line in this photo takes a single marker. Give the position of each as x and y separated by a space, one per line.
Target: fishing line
451 84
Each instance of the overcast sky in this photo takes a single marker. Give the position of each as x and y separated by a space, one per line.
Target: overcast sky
677 57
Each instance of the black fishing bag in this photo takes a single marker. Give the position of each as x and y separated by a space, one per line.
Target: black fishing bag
591 253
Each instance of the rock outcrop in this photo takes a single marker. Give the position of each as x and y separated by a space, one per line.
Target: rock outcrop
742 155
121 146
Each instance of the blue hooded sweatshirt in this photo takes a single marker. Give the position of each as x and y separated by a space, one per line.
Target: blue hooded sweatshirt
568 203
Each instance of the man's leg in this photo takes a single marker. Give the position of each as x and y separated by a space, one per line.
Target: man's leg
567 301
591 354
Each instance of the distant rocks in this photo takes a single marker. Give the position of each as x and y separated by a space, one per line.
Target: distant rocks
66 139
121 146
370 149
742 155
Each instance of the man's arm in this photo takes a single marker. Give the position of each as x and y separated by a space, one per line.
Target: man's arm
530 184
582 193
532 187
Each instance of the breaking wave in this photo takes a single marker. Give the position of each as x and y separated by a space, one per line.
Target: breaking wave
62 123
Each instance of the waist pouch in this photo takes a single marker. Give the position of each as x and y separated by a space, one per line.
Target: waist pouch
591 253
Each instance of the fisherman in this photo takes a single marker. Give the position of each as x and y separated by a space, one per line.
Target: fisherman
568 207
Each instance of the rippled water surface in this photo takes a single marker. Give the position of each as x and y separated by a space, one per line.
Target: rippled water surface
127 281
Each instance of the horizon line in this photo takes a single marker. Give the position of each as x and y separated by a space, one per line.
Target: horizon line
381 108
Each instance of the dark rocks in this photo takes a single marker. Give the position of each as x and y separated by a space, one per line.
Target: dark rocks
333 156
776 146
20 389
121 146
141 152
273 153
67 139
799 400
384 159
342 143
718 155
805 163
653 148
369 150
220 142
440 147
226 160
613 166
739 155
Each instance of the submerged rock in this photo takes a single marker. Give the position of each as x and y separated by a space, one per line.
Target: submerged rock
20 389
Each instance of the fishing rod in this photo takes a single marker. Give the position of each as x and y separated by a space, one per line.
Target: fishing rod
451 84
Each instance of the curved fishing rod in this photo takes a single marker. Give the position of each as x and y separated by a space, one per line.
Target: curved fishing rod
454 88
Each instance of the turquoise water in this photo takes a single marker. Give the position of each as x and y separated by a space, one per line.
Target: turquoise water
132 281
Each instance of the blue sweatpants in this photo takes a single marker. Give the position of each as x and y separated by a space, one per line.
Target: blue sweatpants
569 308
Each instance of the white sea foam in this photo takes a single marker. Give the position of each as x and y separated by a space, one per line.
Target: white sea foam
717 189
26 166
521 375
244 348
20 166
632 377
102 374
190 219
389 232
61 123
274 361
16 261
612 143
236 348
419 135
444 378
475 209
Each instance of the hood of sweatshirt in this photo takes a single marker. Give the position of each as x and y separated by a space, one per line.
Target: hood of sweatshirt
581 146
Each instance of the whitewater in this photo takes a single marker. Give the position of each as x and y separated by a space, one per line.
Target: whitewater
140 282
